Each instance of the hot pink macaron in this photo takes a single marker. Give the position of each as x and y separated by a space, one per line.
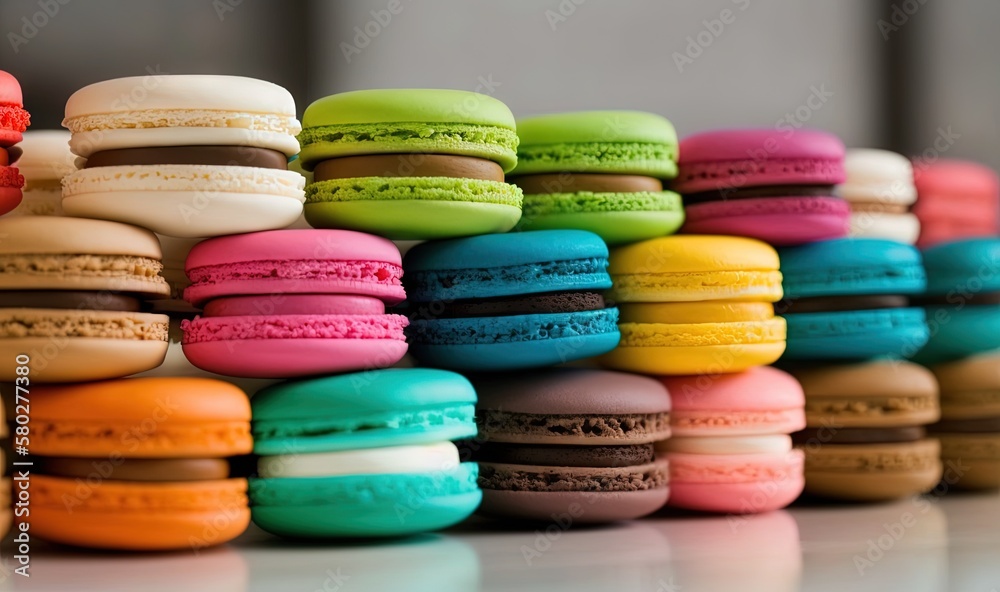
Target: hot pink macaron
13 121
775 185
955 200
290 303
730 451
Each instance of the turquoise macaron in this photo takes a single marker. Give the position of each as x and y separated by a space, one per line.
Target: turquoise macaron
962 300
368 454
848 299
509 301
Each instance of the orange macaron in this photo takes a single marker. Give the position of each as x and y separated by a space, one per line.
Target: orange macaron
138 464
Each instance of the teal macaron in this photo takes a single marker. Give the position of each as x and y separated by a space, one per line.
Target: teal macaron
508 301
848 299
962 300
363 455
600 171
410 164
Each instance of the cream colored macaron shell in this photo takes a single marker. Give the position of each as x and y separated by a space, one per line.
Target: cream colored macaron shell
187 201
181 110
45 159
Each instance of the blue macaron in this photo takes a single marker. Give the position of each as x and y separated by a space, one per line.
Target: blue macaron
364 455
963 299
509 301
847 299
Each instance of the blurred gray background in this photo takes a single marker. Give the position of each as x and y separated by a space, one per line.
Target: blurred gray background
884 73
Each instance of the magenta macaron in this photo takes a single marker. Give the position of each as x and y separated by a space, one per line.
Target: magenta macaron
289 303
731 451
776 185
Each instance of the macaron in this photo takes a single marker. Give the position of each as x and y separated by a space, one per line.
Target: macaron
290 303
139 464
866 438
410 163
71 299
184 155
880 191
731 451
363 455
695 305
776 185
969 429
509 301
848 299
13 121
963 291
600 171
956 200
571 443
45 159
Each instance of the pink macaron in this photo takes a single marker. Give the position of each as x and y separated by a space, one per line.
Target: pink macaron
776 185
955 200
731 451
290 303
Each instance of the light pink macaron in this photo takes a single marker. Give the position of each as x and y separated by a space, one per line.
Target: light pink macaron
731 451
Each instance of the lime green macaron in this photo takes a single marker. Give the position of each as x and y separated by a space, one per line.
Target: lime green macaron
600 171
412 164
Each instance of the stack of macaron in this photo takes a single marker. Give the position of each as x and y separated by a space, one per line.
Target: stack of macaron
601 171
850 323
776 185
956 199
963 310
410 163
45 159
880 191
698 311
184 155
13 121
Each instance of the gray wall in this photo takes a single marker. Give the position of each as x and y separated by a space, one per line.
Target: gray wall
938 69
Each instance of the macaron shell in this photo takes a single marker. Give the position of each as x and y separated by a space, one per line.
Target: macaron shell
901 228
513 342
852 266
873 472
963 268
856 335
779 221
376 505
614 228
410 219
956 334
761 157
10 196
972 461
735 483
132 516
567 391
706 359
290 358
970 387
589 507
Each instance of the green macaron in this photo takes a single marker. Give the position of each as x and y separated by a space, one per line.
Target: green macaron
410 164
600 171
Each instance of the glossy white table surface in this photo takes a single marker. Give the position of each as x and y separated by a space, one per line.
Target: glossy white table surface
923 544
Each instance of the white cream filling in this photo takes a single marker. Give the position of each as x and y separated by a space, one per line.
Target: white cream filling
391 459
776 443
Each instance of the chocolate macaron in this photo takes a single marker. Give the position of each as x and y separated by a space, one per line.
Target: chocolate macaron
572 442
